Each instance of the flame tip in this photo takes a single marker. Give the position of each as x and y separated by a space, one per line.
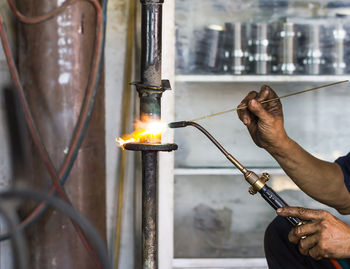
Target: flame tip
148 128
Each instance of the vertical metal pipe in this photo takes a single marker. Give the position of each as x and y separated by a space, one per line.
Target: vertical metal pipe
339 64
151 55
151 58
149 209
314 57
150 107
55 62
261 63
288 53
238 65
261 58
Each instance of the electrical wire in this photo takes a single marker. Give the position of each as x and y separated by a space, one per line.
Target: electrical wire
68 159
86 109
125 118
19 246
72 151
67 209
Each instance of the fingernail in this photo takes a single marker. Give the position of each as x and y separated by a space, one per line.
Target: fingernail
279 210
245 121
253 102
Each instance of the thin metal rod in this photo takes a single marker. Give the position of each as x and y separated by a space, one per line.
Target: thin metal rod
270 100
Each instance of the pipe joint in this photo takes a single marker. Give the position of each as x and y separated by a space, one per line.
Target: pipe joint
148 90
147 2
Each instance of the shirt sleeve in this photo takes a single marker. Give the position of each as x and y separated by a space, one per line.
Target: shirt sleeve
344 163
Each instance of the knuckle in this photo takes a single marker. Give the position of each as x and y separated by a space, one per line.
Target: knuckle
252 93
291 237
298 230
323 225
265 88
303 251
324 214
242 104
314 254
301 211
322 253
322 246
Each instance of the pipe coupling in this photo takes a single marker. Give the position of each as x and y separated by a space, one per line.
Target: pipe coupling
146 90
145 2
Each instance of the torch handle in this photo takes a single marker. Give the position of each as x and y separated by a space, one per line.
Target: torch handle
276 202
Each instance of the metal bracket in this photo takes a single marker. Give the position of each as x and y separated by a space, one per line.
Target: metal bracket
143 89
152 2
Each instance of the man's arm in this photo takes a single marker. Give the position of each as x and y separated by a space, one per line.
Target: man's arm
324 181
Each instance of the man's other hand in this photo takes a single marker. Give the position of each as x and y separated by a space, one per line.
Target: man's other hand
264 121
322 236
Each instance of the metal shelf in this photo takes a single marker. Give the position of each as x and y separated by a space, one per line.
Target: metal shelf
221 263
223 171
260 78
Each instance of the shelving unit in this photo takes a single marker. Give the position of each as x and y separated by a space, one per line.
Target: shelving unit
256 263
223 171
260 78
199 94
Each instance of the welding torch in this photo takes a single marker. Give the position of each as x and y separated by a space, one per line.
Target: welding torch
258 184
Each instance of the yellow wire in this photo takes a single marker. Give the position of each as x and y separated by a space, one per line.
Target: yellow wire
126 103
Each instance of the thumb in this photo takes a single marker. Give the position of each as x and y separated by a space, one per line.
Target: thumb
257 109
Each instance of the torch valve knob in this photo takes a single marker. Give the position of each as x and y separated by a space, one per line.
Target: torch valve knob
265 177
251 190
259 184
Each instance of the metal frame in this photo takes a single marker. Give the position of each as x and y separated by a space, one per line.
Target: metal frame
167 171
259 78
166 160
223 171
220 263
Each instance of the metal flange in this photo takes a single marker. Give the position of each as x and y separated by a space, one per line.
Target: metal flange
152 1
149 89
150 147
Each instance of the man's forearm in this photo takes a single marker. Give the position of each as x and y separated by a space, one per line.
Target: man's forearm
321 180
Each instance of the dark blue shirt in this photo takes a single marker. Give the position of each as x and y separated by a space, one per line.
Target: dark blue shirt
344 163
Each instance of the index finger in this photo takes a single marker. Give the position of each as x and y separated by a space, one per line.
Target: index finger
266 93
300 212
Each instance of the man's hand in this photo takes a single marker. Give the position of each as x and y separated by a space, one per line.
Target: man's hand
324 236
264 121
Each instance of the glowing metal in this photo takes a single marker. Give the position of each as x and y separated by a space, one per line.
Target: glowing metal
149 131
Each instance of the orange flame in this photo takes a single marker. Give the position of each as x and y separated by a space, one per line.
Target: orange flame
149 130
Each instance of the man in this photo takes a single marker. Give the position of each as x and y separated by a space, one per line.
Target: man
323 236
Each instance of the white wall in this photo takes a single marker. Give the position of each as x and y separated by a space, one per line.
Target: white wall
114 77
